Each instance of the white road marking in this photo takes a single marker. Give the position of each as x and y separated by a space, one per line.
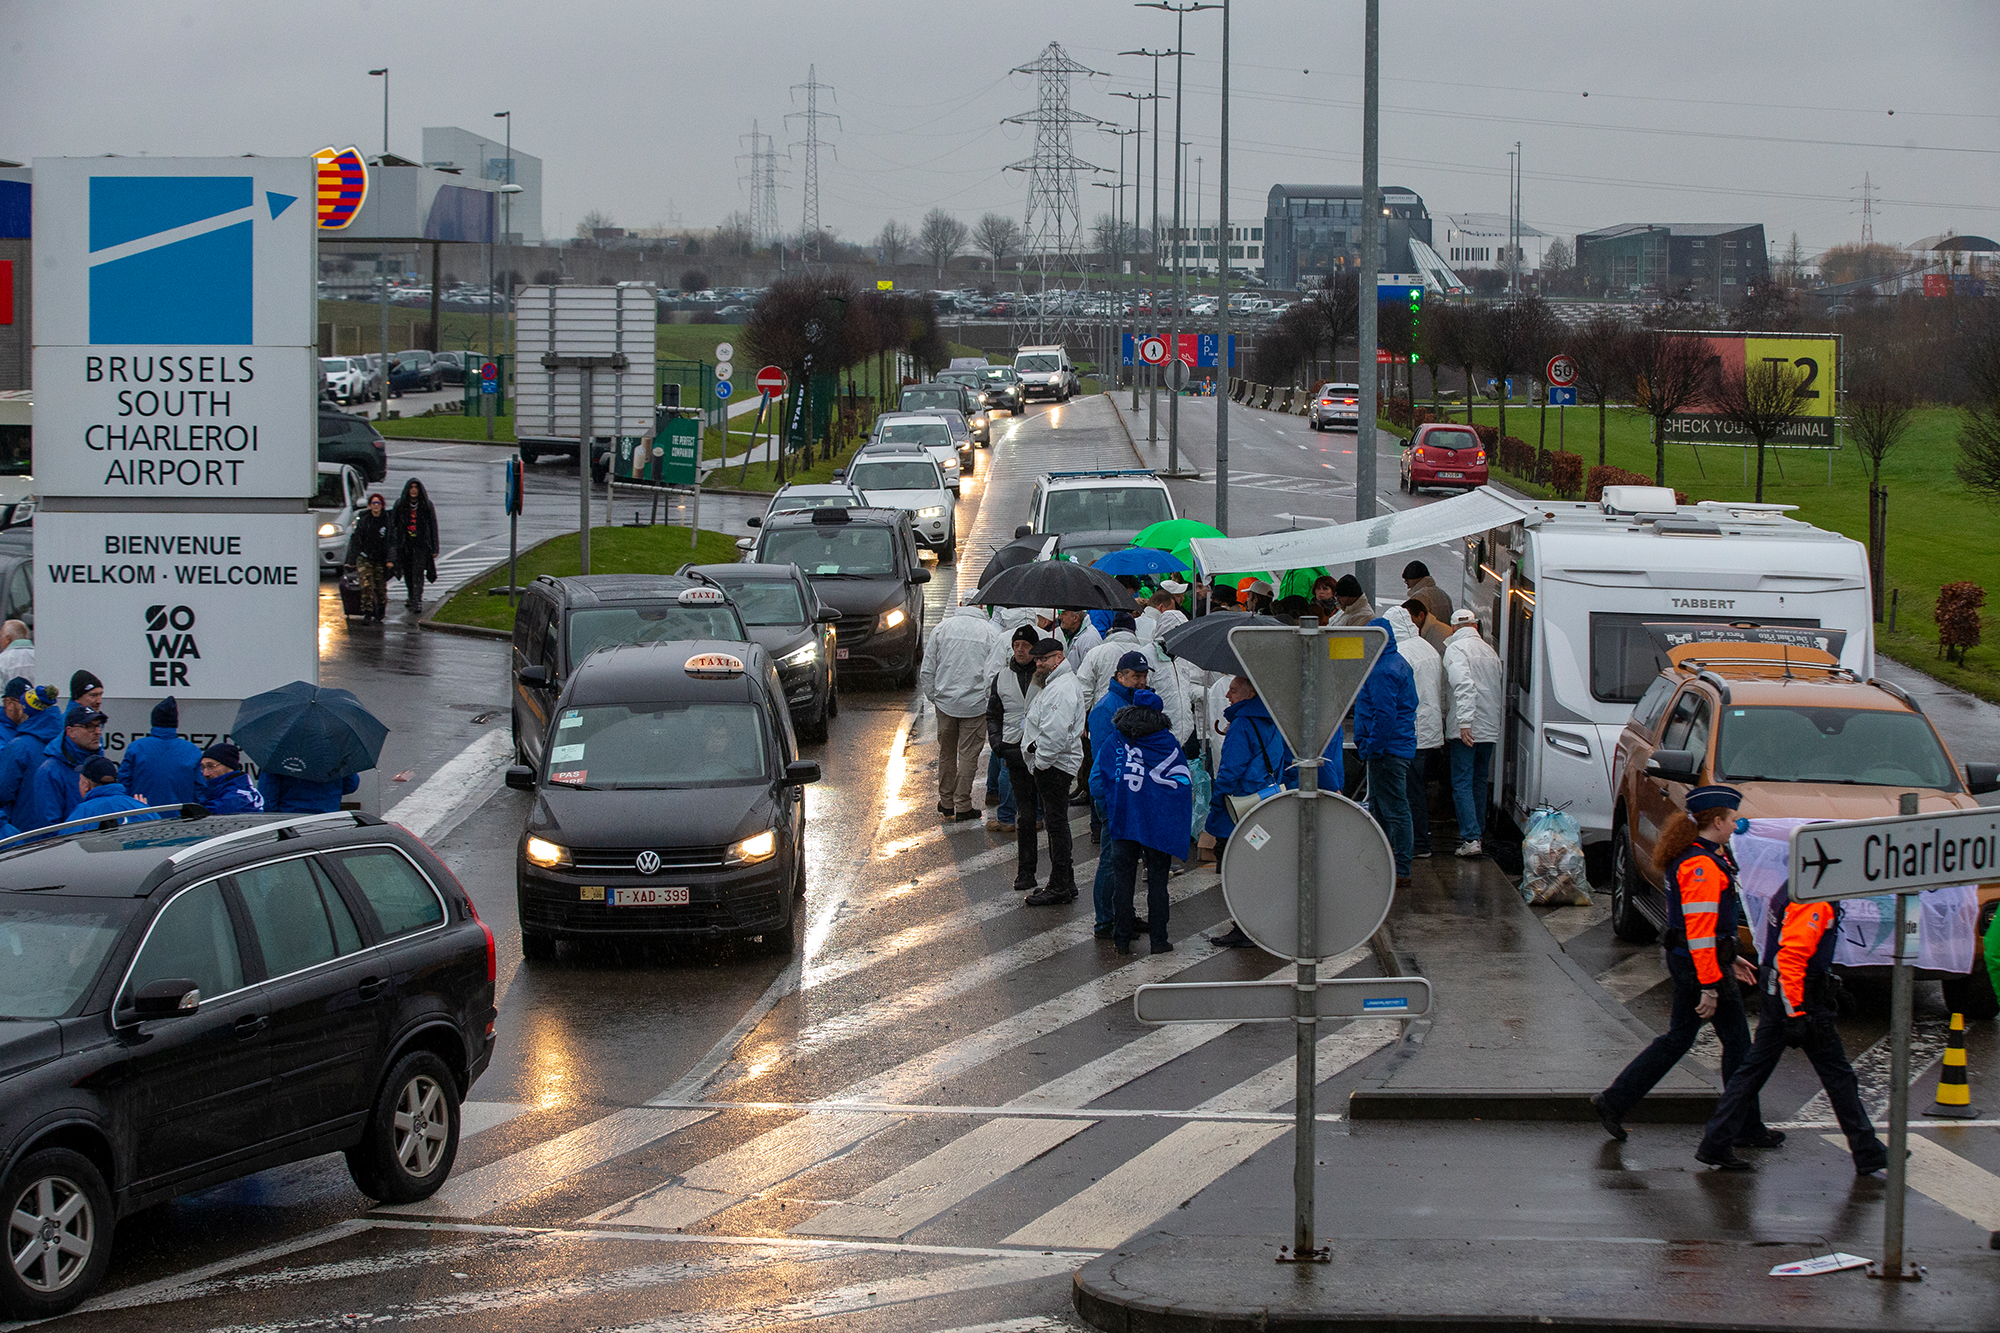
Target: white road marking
531 1170
478 1117
1633 977
920 1191
1566 923
1969 1190
149 1293
443 800
343 1270
1332 1054
1871 1071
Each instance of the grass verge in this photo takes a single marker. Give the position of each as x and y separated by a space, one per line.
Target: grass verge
655 550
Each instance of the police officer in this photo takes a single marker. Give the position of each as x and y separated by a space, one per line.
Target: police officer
1700 944
1799 1009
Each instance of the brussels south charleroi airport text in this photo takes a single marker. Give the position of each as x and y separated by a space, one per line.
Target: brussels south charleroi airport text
153 431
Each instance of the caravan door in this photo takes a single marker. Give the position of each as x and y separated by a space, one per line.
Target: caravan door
1518 756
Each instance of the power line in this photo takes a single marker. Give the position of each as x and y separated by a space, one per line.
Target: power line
809 229
1054 220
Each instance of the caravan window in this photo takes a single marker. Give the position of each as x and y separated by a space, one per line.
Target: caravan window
1624 660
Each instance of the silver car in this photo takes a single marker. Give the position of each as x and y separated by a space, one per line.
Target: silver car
933 431
1335 406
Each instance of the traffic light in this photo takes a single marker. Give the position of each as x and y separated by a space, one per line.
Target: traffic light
1416 313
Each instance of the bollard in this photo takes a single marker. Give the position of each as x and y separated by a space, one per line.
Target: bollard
1954 1097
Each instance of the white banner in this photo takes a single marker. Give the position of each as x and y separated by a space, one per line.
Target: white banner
209 606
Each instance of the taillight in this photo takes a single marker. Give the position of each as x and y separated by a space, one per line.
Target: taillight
1482 456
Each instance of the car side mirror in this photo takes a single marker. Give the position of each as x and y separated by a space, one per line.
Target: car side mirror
535 677
169 997
754 521
801 771
840 475
827 616
1982 778
520 777
746 544
1024 529
920 576
1674 765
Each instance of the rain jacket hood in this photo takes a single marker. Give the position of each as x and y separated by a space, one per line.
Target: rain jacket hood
162 767
1150 798
1428 669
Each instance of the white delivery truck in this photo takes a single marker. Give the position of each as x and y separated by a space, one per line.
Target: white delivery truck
1564 590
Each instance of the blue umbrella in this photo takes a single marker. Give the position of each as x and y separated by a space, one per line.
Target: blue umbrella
307 731
1138 560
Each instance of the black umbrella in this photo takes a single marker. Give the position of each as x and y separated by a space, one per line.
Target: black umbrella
1205 642
309 731
1021 551
1057 583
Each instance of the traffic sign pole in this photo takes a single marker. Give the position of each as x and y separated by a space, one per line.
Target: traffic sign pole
1305 1125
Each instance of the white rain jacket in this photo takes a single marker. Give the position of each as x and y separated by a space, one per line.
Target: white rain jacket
958 663
1052 733
1428 669
1472 680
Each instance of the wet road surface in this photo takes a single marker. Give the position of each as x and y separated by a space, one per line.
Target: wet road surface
933 1111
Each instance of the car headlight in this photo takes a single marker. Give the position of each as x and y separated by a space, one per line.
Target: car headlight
329 529
891 619
759 847
805 656
545 853
935 511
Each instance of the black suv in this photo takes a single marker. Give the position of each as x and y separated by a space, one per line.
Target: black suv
670 803
863 563
559 622
345 438
188 999
786 619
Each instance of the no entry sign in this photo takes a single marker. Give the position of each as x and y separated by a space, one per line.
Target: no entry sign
771 380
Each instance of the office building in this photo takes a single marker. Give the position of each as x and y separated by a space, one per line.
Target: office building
476 155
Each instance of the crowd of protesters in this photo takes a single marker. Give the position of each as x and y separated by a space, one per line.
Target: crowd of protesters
1090 710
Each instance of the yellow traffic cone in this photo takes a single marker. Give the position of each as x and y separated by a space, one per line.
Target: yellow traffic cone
1954 1098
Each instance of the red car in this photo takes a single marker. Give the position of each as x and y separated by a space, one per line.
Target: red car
1444 457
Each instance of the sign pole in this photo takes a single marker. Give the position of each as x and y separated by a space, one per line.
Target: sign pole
586 431
1306 1025
1892 1266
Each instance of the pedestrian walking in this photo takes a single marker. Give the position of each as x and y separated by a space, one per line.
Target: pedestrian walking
284 794
1106 756
225 788
1006 710
162 767
54 792
956 674
17 651
1699 875
1417 581
1798 1009
1150 804
1385 739
1353 603
1052 748
369 555
1427 670
1472 724
100 793
1254 758
40 721
413 541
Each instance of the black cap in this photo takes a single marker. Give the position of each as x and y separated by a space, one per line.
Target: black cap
81 715
99 770
1123 620
83 681
18 688
1416 569
1349 586
1027 634
1049 648
167 713
222 752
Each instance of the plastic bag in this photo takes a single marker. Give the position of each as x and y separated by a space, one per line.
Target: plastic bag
1552 873
1204 792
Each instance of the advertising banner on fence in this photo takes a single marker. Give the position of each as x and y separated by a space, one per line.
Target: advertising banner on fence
1200 350
1814 356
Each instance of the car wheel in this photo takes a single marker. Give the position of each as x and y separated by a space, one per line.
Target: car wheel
948 553
814 727
411 1138
530 456
786 938
1628 923
58 1227
833 694
538 946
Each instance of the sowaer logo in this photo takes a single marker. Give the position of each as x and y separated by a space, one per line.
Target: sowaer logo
169 644
171 258
342 184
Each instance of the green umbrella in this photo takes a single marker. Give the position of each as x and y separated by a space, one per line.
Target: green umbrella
1299 582
1173 533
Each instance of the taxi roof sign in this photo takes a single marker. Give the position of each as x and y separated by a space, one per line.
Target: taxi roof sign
714 665
703 597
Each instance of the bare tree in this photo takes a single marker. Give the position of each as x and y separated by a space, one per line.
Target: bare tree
1334 312
1558 265
591 223
1879 408
734 237
996 236
1668 372
942 236
894 242
1510 337
1596 346
1760 400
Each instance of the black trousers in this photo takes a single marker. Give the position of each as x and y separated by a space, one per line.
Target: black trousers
1829 1061
1042 793
1732 1029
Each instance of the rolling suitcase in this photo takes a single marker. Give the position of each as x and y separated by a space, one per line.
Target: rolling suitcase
350 593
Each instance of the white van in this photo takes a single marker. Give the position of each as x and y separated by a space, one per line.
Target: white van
1046 372
1569 590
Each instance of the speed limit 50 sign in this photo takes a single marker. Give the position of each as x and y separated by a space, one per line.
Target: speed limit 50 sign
1562 370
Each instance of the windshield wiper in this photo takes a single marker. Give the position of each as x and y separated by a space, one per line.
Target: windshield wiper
578 786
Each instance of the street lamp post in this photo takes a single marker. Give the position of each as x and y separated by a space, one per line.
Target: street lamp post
1153 269
1371 256
382 273
1223 392
1180 13
1139 101
507 192
383 74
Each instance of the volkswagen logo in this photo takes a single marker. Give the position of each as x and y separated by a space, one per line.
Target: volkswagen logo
648 863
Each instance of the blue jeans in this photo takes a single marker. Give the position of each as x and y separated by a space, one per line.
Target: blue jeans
1732 1029
997 780
1122 857
1471 770
1389 802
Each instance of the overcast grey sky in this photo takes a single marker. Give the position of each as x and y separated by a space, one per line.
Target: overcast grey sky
1698 110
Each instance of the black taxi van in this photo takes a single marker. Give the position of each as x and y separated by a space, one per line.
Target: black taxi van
670 802
187 998
560 622
863 563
